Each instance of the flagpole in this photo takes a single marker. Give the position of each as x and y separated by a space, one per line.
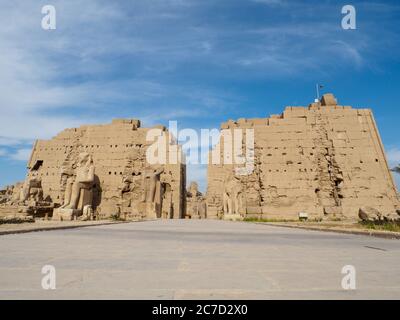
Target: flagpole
317 86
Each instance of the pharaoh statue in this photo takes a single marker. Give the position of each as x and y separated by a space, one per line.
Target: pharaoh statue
167 207
127 196
125 187
152 191
80 187
232 195
196 204
193 190
67 180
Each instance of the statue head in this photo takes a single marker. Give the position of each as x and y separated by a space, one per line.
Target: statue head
193 188
85 159
126 181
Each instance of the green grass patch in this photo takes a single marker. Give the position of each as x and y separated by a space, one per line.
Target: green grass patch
16 220
252 219
381 225
117 217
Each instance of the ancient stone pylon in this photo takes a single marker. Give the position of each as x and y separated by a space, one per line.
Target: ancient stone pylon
324 159
123 184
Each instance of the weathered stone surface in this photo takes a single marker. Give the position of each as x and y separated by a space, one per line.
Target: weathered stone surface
87 213
6 194
233 217
196 207
392 217
66 214
363 215
366 213
334 211
253 210
25 198
324 159
328 100
102 171
16 219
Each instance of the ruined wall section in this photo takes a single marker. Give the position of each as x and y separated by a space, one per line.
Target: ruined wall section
119 155
323 159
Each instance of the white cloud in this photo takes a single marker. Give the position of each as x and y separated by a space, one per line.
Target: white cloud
77 75
397 181
3 152
39 99
4 141
21 155
38 66
197 173
393 156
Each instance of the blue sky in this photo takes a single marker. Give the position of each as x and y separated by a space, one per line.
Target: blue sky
199 62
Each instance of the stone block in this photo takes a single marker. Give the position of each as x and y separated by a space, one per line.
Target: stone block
335 210
232 217
328 100
63 214
303 216
254 210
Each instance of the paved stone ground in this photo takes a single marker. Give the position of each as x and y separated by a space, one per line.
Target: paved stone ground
185 259
41 225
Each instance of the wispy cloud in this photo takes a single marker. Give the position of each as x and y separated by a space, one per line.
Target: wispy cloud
21 155
117 55
165 59
4 141
393 156
197 173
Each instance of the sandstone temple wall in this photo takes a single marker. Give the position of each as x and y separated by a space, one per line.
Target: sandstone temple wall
323 159
118 151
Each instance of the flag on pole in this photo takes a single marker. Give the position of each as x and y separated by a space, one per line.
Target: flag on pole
318 86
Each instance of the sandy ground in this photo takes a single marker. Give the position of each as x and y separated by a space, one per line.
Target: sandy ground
197 259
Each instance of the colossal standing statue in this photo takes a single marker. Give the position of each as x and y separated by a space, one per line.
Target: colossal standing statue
152 191
82 185
232 195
